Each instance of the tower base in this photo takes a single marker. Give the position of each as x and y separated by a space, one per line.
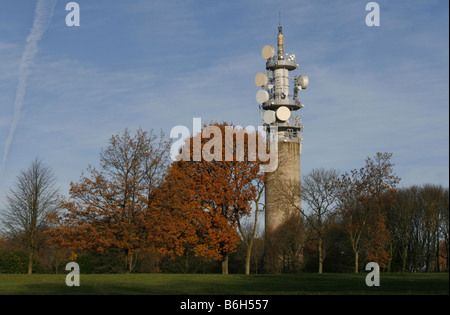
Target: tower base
283 223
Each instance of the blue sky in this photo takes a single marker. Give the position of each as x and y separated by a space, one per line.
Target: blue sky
159 64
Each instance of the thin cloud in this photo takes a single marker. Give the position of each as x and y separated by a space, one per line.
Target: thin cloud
42 18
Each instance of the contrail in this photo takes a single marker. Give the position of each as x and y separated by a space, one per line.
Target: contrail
42 18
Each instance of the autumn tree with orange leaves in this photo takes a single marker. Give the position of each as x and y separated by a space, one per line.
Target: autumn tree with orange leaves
134 202
113 206
219 174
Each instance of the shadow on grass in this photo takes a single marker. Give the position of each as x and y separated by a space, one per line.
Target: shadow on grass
170 284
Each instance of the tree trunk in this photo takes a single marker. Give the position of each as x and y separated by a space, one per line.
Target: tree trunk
447 257
247 260
390 257
437 265
320 255
32 246
249 241
356 261
30 262
32 238
248 255
130 263
186 263
225 264
405 253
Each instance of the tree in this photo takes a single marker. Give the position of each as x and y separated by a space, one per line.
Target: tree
400 224
319 192
248 234
363 194
435 206
291 238
33 195
219 186
445 228
112 208
418 224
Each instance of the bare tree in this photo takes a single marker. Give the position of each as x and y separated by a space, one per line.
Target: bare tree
363 194
319 192
291 240
33 195
400 219
418 224
248 232
319 196
445 226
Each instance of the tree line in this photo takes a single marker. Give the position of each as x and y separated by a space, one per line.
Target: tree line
139 211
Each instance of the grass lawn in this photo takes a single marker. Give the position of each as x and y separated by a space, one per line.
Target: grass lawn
212 284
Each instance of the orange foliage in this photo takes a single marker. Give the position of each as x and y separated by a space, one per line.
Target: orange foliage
195 203
216 194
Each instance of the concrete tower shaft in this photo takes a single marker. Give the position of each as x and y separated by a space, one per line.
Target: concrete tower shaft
283 187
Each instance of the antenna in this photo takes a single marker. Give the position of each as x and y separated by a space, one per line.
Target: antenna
276 102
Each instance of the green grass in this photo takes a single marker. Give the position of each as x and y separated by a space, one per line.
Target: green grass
208 284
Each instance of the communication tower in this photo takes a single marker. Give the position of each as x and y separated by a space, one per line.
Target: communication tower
278 105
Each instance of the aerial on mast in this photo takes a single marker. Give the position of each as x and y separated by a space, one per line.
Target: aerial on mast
275 97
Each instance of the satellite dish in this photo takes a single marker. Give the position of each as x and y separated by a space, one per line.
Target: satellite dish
303 81
269 117
283 113
268 52
261 79
262 96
